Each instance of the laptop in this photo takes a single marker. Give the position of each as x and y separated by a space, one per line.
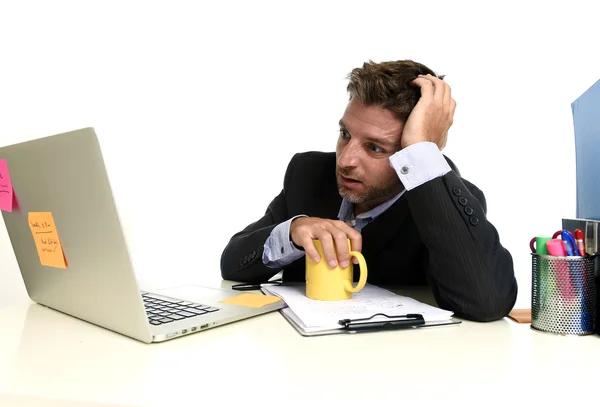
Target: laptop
65 175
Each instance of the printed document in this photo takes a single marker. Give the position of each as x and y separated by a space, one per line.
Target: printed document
314 316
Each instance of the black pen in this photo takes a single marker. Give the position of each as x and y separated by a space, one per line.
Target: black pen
250 287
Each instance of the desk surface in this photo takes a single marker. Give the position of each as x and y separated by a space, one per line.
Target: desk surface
50 359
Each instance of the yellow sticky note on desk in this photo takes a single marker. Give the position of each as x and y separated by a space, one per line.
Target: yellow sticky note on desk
46 239
251 300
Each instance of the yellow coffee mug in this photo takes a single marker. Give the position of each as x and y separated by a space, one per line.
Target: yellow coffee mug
333 284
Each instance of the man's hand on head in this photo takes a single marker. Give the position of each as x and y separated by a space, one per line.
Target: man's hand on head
433 114
332 234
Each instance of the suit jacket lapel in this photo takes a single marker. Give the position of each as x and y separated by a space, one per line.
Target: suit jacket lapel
329 202
377 233
328 206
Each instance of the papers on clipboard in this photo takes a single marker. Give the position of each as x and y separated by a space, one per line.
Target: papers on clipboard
373 308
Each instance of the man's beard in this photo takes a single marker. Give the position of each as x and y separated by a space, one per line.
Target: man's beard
370 193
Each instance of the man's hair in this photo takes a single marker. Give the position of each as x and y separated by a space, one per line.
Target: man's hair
387 85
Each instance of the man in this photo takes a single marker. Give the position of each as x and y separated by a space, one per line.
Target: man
390 190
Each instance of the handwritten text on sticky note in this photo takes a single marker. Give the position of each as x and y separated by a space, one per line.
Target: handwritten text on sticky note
46 239
6 188
252 300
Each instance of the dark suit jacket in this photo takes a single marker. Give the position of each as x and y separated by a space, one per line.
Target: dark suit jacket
435 234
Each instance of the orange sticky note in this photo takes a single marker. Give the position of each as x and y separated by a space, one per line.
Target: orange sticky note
251 300
522 316
7 195
46 239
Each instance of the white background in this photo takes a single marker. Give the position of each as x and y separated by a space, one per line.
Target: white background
200 105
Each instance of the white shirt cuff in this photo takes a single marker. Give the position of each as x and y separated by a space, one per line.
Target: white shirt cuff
419 163
279 250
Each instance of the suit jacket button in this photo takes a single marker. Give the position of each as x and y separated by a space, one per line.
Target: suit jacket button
468 210
463 201
456 191
474 220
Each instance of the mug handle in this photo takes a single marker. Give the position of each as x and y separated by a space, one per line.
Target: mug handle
363 274
531 246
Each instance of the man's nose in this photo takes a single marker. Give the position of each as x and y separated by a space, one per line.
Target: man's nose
348 157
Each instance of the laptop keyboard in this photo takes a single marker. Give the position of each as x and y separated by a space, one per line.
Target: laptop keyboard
162 310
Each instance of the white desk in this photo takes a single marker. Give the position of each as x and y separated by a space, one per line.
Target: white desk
50 359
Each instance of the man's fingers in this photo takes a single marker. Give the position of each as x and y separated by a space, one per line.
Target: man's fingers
339 235
355 242
352 234
328 248
443 139
341 246
440 87
448 96
442 93
333 236
310 249
452 110
426 87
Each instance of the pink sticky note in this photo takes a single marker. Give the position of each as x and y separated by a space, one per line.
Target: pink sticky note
7 198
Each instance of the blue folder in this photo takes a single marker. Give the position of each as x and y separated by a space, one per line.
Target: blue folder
586 122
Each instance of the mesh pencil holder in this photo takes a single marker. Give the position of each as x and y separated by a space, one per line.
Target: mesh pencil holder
563 294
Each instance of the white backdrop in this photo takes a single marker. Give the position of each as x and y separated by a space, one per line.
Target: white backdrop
199 106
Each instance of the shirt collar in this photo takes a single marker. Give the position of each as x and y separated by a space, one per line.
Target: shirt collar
347 209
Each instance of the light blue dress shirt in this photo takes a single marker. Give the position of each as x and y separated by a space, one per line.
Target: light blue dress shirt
415 165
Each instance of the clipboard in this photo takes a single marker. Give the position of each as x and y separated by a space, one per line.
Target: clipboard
364 325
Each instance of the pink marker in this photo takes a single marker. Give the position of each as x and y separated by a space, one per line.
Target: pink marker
561 273
556 247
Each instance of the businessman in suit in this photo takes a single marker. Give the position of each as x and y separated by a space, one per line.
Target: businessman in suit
390 190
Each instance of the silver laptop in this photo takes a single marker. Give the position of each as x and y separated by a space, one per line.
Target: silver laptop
65 175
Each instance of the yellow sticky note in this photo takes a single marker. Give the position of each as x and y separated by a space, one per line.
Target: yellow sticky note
252 300
46 239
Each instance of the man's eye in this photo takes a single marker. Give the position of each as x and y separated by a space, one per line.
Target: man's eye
344 134
375 148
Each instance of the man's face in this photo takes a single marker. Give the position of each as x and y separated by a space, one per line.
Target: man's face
369 135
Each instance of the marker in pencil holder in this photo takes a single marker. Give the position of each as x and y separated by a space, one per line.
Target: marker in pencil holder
563 294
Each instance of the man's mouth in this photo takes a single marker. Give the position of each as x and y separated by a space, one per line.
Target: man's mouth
348 180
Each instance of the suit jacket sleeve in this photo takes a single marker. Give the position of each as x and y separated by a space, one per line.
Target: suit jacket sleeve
241 259
470 272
